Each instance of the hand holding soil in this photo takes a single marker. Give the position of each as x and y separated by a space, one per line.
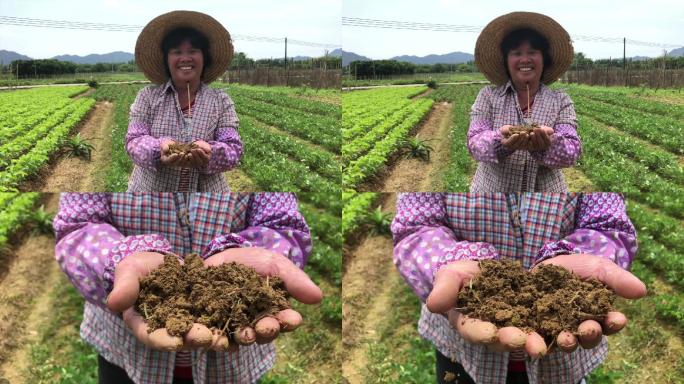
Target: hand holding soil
454 279
124 294
259 314
295 281
526 137
185 155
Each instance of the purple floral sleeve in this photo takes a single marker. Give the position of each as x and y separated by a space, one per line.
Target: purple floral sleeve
226 149
423 243
484 142
88 247
565 148
274 223
602 229
142 147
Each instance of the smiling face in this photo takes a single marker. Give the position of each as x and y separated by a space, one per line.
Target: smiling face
525 64
185 63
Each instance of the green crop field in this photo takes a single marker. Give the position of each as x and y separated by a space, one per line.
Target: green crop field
374 125
34 124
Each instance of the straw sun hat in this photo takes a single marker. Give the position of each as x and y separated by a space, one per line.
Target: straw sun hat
148 49
489 58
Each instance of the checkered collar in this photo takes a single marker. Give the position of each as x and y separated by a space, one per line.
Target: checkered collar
169 86
508 87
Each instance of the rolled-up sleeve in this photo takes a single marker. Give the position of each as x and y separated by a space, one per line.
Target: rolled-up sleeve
602 229
226 148
88 247
566 145
484 141
274 223
424 243
143 148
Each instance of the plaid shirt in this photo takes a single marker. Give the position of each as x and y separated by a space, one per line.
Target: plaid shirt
156 115
433 229
502 170
96 231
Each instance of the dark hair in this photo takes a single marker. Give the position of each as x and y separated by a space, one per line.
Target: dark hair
177 36
536 40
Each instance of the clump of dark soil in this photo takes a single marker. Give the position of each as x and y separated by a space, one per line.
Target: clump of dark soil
182 149
522 129
547 301
226 297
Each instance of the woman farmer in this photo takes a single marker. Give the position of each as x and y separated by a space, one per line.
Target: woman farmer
181 52
439 239
521 53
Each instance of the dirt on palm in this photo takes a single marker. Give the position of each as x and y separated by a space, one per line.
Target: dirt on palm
549 300
226 297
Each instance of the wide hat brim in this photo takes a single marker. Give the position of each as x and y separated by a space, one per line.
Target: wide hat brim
148 50
489 58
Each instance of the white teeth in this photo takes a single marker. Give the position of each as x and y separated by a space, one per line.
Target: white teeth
525 69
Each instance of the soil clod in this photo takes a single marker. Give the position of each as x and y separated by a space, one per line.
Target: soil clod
522 129
548 301
182 149
224 298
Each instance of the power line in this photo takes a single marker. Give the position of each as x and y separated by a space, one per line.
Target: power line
408 25
76 25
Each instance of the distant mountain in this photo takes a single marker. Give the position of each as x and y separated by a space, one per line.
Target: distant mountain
676 52
639 58
348 57
337 52
300 58
447 58
112 57
7 57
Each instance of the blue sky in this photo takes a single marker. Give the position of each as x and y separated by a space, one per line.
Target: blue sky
307 20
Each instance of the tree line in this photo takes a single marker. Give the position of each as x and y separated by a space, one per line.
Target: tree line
383 68
46 67
374 68
663 62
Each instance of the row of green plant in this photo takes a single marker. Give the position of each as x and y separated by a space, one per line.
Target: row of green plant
461 164
23 143
671 308
16 122
23 109
360 145
625 97
321 130
656 160
30 162
360 169
612 171
356 124
356 207
319 161
660 130
662 228
287 100
16 209
358 105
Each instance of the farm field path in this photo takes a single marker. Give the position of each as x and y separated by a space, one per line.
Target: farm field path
75 174
577 181
239 181
24 298
411 175
368 286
